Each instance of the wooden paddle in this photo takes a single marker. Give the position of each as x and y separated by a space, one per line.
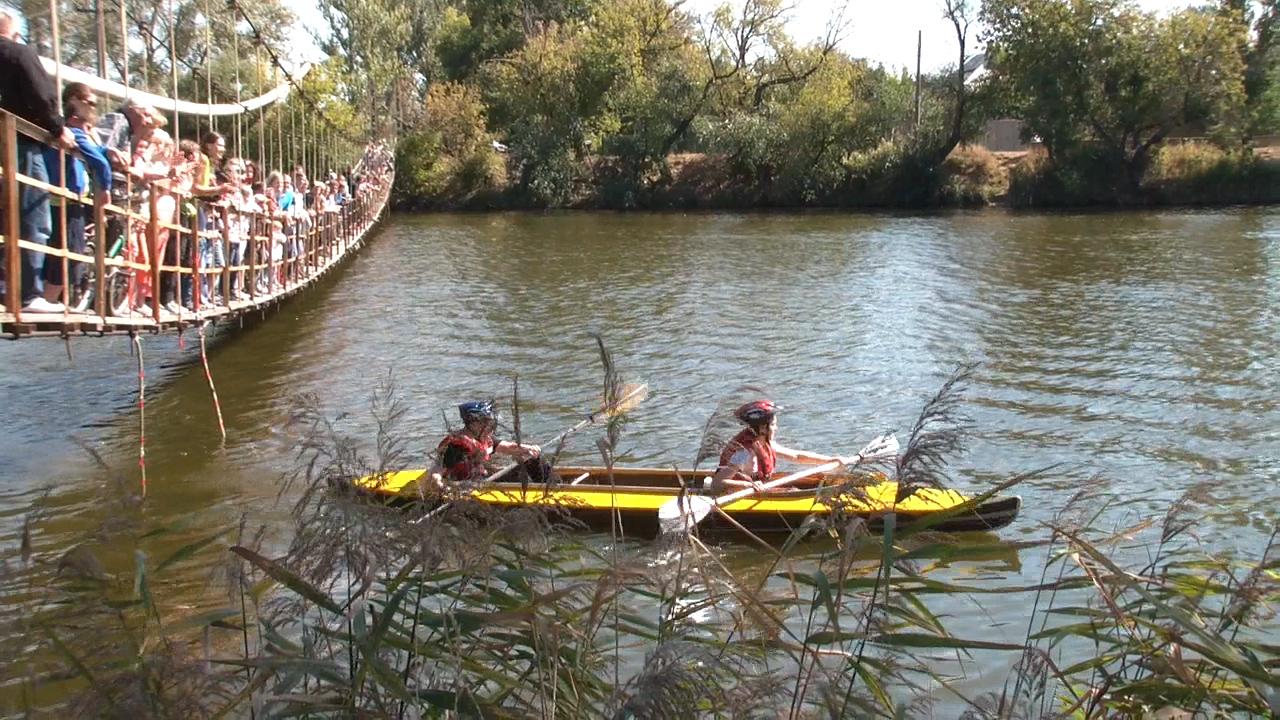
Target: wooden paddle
682 513
633 397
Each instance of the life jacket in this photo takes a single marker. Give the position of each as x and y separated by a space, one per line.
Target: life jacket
463 456
761 450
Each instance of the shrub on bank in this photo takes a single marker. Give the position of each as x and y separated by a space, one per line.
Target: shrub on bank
895 173
1084 177
450 162
1205 174
972 175
1179 174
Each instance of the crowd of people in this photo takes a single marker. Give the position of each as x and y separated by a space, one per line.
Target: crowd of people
127 158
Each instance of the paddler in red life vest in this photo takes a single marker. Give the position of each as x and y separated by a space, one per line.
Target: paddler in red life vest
463 455
752 455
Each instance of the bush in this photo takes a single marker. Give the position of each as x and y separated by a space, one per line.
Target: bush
894 173
1205 174
450 160
973 175
1085 177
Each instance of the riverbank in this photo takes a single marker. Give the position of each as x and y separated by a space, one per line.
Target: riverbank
1179 175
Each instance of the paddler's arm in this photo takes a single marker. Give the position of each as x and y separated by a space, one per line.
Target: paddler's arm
524 452
433 481
741 465
803 457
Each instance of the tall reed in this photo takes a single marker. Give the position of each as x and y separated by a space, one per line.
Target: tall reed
464 611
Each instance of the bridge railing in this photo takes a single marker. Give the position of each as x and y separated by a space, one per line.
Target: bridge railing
153 240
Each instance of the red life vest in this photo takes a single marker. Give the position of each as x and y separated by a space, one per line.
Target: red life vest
761 449
463 456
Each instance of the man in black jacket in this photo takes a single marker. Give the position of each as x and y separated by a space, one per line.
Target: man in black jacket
27 91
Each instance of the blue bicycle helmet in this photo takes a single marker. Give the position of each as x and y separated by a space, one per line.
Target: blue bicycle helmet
476 410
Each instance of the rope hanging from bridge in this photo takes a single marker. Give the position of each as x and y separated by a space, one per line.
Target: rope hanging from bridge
142 411
208 376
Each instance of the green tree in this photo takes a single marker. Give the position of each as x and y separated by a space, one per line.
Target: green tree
384 44
535 95
449 159
791 148
641 60
746 54
1101 82
472 32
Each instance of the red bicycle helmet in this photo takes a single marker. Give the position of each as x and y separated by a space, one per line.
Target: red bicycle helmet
757 412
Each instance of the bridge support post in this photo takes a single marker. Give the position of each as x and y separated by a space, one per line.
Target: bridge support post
224 214
12 231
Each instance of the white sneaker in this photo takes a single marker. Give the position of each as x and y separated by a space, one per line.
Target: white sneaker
40 305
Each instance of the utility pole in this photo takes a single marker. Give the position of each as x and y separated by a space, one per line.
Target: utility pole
101 20
919 45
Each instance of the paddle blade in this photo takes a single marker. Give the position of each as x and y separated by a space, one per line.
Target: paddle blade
681 514
630 396
885 446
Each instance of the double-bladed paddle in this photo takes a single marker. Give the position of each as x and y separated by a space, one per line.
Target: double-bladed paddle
683 512
633 397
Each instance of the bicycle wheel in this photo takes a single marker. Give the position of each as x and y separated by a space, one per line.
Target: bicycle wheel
82 293
117 286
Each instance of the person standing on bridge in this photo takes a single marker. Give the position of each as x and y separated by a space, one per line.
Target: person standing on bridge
463 455
80 105
208 188
27 91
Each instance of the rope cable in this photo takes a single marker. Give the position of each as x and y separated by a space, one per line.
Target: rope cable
208 61
275 60
173 70
217 406
142 412
239 126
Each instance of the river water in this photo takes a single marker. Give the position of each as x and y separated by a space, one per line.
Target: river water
1138 348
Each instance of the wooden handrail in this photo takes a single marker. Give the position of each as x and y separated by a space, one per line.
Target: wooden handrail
316 246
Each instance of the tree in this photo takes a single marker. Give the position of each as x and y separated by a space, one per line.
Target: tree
536 95
1262 58
449 158
1099 79
384 43
641 60
792 147
749 52
472 33
203 34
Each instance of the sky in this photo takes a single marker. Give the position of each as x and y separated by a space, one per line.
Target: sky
882 31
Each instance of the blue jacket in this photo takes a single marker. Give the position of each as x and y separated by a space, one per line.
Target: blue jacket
77 177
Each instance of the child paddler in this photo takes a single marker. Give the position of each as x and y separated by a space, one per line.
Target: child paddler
752 455
463 455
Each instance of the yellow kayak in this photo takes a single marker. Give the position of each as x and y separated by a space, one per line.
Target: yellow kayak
634 495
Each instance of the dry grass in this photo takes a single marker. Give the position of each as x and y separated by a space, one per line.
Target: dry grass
974 176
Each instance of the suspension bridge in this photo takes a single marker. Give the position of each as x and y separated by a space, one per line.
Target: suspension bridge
157 254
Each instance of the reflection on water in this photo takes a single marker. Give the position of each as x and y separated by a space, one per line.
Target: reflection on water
1139 348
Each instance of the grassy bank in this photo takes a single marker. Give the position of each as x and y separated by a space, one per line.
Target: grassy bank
1191 174
373 611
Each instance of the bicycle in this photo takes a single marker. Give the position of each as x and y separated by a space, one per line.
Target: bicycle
116 283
